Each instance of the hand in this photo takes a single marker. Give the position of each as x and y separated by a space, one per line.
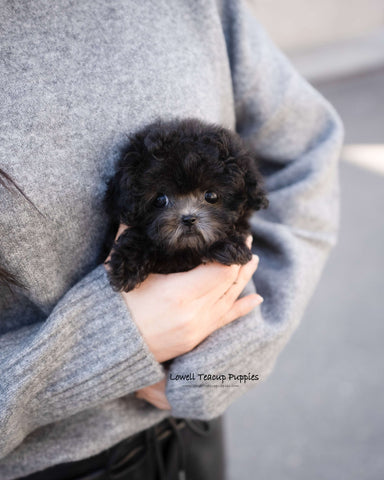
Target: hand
176 312
155 394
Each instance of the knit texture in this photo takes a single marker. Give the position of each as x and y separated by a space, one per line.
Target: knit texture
77 78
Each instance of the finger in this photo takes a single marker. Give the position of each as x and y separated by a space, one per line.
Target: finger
209 278
121 229
155 394
151 389
241 307
158 401
244 276
160 385
220 290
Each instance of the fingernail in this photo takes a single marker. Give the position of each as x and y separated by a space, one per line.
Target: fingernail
259 299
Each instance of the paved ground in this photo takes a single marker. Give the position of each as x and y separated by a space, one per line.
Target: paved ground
320 415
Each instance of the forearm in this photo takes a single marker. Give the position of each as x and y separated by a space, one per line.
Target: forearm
88 351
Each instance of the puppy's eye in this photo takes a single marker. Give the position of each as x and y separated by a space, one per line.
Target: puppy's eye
211 197
161 201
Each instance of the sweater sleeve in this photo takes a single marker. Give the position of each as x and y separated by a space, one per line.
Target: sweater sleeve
88 351
299 136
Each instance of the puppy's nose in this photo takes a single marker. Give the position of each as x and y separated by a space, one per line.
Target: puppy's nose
189 219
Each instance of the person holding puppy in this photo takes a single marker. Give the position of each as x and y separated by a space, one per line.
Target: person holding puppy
83 391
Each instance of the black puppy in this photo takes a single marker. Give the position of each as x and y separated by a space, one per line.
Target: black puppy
186 189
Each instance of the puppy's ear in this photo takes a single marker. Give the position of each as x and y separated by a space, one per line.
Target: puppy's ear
254 185
111 198
242 161
121 196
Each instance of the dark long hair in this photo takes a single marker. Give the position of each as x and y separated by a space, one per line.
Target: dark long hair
7 278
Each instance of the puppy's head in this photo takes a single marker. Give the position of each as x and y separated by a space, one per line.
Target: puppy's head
186 183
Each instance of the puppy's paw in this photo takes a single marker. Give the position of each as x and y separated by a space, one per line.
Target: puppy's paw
129 263
123 276
230 252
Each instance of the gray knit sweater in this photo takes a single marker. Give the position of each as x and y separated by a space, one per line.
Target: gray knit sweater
77 77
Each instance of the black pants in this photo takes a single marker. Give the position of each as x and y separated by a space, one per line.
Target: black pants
174 449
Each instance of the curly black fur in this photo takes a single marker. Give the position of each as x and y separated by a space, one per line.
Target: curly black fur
160 190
